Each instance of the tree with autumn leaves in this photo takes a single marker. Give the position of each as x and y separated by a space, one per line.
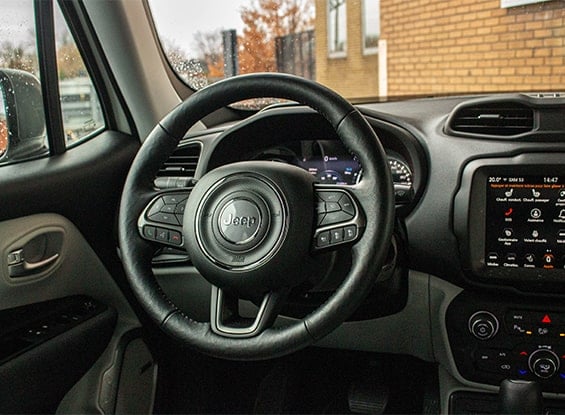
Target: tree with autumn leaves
264 21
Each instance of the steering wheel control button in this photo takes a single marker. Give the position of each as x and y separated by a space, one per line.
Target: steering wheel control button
332 207
164 218
329 196
338 208
347 205
335 217
175 199
167 209
162 235
175 238
544 363
336 236
323 239
239 221
149 232
155 207
350 233
483 325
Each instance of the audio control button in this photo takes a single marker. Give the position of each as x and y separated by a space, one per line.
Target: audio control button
483 325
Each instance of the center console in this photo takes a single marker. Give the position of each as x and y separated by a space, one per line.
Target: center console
509 219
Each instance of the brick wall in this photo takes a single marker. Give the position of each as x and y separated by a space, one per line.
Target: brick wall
440 46
444 46
356 75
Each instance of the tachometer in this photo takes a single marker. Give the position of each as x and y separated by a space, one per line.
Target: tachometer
402 179
400 171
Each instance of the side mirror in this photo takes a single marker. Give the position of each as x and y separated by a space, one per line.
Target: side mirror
22 117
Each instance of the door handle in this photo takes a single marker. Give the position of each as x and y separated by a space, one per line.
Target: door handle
19 267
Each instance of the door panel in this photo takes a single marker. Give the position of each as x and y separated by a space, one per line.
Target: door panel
45 371
57 228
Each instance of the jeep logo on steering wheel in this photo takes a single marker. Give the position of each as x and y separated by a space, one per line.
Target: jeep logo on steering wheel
248 221
239 221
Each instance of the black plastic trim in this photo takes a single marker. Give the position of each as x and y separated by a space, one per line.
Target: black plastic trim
40 376
47 61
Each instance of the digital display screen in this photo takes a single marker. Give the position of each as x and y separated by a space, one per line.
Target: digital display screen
525 222
343 169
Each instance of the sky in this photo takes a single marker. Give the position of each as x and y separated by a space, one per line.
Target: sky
178 20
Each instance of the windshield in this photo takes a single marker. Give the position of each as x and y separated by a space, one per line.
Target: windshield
371 49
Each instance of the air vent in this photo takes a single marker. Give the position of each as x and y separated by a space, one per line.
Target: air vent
492 119
182 163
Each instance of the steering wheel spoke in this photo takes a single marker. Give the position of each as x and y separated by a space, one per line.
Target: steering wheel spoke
339 217
226 321
161 220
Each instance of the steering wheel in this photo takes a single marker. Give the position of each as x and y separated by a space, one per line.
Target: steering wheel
255 230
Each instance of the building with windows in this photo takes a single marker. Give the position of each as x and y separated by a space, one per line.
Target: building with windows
369 48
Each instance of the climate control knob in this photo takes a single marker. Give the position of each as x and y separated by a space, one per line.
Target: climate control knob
483 325
544 363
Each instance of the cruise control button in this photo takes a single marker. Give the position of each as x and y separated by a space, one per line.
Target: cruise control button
335 217
330 196
168 209
332 207
323 239
347 205
350 233
174 199
180 208
336 236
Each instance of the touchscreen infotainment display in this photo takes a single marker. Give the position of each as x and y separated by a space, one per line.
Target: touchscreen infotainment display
525 222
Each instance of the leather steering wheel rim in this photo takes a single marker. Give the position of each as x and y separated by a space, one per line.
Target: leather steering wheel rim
374 193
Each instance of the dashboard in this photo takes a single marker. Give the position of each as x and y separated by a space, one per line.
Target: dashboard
478 255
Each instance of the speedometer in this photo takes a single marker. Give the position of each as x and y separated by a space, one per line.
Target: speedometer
400 171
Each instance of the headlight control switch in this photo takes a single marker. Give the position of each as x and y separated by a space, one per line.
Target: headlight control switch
483 325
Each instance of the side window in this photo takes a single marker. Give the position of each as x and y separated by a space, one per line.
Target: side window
23 129
80 105
371 26
337 28
22 121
